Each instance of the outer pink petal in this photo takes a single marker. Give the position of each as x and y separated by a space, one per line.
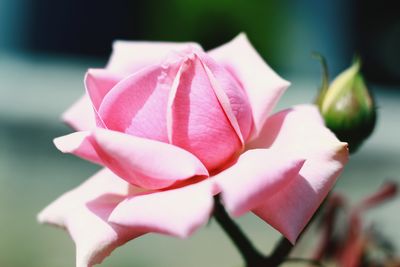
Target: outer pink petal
300 132
198 122
79 144
257 175
137 157
94 237
138 104
263 86
178 212
143 162
80 116
98 83
128 57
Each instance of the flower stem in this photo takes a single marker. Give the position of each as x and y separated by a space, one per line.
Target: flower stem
280 253
249 253
251 256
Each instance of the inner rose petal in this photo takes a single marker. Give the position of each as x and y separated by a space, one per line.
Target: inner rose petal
138 104
199 124
179 101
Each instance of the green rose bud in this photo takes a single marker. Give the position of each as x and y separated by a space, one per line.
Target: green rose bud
347 105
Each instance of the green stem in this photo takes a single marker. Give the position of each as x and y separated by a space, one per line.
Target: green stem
280 253
249 253
251 256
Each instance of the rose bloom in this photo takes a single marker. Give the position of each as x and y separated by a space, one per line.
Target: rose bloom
174 126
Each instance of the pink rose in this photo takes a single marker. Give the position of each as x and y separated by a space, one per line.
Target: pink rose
173 126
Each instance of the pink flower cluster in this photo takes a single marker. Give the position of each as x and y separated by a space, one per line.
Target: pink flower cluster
173 126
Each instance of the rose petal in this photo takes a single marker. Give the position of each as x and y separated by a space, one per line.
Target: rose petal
98 83
263 86
80 116
292 128
79 144
198 123
231 96
128 57
256 176
94 237
138 104
143 162
135 156
178 212
300 132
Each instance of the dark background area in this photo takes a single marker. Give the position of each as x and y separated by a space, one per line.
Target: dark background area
286 32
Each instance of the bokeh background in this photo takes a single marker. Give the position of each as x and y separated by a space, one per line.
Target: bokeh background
46 47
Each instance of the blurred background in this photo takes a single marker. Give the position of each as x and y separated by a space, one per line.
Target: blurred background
46 47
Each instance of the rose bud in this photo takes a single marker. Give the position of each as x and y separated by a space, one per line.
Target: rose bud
347 106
